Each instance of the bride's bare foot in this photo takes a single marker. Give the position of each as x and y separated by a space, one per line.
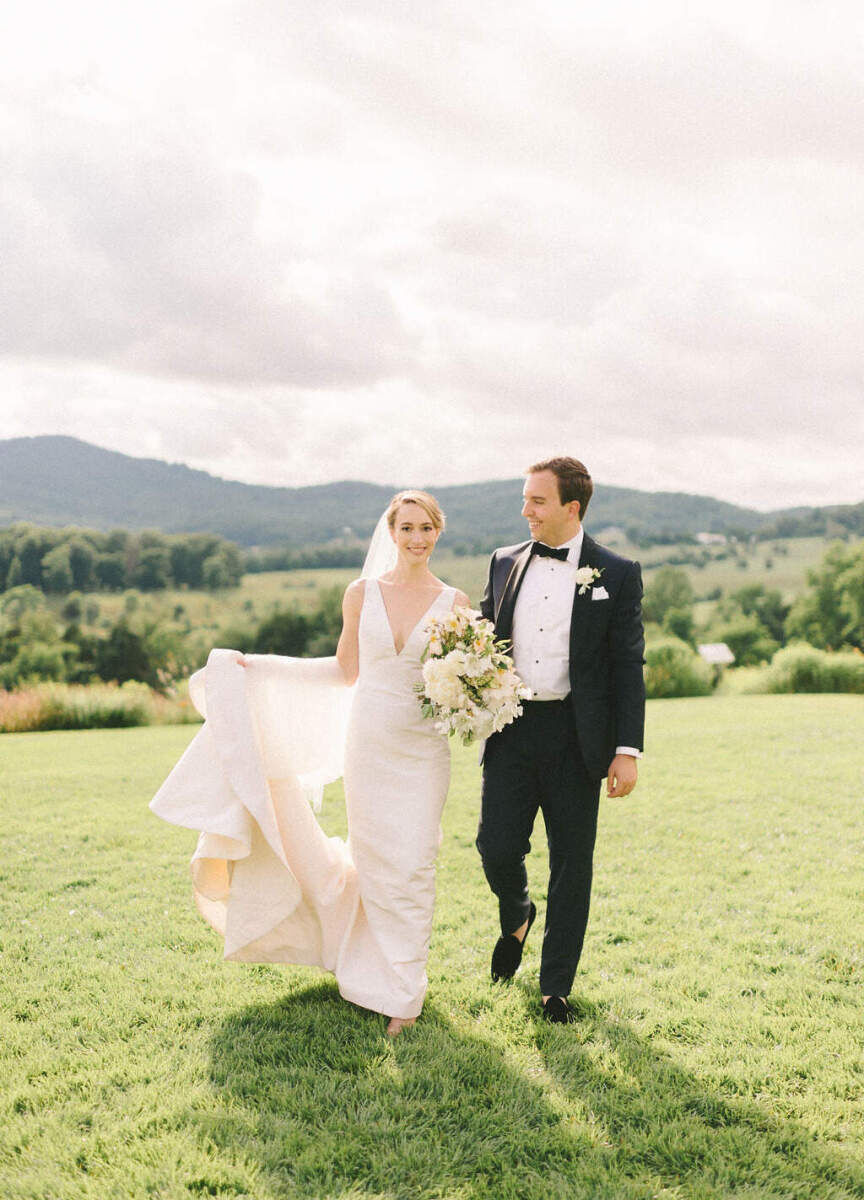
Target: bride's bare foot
397 1024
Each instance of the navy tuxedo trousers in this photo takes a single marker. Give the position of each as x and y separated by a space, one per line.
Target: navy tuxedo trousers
536 763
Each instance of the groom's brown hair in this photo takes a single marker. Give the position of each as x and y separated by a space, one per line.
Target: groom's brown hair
574 482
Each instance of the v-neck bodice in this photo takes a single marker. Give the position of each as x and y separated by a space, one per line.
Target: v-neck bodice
382 667
418 624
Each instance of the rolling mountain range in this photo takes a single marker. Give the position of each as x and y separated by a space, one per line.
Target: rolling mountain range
58 481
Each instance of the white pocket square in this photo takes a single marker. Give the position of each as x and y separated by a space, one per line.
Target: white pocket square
599 593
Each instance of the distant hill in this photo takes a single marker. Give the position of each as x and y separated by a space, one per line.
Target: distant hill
64 481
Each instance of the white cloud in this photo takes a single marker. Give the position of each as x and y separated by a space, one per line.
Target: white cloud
429 243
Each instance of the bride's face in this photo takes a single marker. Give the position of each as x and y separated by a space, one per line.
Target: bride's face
414 534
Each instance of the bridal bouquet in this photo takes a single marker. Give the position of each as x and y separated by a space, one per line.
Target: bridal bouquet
469 686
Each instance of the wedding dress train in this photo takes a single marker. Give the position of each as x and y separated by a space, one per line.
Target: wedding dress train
264 873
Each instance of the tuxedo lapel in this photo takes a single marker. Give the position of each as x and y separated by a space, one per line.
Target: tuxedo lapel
589 552
507 606
580 602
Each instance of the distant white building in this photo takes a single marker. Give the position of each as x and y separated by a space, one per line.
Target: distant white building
711 539
717 654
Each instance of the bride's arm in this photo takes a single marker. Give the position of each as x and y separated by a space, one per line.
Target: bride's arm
348 650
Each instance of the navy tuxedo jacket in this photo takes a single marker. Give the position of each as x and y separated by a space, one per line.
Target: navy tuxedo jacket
607 645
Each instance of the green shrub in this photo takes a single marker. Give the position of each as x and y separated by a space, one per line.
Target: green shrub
747 638
20 600
803 668
831 613
673 669
286 631
678 622
34 660
669 588
73 607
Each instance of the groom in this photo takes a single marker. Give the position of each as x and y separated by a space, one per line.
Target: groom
572 610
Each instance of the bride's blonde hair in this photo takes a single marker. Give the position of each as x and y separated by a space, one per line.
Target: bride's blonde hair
427 502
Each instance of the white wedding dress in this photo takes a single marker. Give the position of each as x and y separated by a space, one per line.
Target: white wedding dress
265 874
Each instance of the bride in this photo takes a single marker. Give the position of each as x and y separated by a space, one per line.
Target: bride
265 874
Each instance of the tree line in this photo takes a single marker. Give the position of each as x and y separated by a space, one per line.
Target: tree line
755 621
36 646
86 560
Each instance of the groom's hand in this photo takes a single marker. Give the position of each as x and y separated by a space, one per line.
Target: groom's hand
621 779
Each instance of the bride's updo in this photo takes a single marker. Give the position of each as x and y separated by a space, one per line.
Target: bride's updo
428 503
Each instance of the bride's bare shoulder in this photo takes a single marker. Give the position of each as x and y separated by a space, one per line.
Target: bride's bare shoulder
354 593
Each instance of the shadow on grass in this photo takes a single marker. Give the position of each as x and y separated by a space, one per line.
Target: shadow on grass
671 1126
319 1103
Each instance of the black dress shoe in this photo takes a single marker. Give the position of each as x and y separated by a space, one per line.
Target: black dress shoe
507 954
558 1011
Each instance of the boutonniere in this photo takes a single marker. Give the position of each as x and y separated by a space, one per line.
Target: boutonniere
585 576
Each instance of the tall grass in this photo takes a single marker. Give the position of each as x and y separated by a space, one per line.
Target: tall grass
44 706
803 668
799 668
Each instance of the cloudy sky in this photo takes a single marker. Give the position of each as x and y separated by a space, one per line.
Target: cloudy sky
292 241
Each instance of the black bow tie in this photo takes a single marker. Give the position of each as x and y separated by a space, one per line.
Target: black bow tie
544 551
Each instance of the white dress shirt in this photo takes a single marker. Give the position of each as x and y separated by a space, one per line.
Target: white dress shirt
541 625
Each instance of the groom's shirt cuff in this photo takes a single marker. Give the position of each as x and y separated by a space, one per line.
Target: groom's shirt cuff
628 750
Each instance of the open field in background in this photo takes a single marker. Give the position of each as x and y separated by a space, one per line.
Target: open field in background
782 565
718 1053
207 613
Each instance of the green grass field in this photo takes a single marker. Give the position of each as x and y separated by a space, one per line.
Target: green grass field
718 1054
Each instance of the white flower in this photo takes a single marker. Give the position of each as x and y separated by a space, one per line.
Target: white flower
454 663
475 666
440 686
585 576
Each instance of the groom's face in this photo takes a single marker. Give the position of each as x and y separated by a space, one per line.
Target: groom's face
549 520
